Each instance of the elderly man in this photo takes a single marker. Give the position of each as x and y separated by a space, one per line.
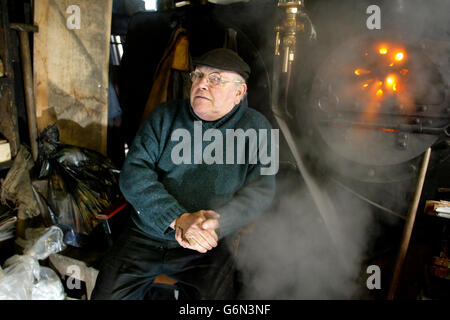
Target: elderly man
188 195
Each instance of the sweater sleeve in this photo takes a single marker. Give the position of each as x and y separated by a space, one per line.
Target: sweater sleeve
255 196
247 203
155 207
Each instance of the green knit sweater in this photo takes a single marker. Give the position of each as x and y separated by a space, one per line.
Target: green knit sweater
160 190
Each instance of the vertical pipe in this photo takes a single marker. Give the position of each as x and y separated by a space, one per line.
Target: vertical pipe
29 94
286 59
407 231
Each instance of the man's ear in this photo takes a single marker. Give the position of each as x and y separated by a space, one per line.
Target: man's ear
241 91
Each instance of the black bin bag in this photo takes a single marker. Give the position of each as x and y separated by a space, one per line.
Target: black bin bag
82 183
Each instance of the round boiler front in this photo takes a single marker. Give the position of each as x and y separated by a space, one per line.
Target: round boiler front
377 104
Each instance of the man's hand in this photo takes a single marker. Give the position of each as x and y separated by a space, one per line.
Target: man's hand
197 230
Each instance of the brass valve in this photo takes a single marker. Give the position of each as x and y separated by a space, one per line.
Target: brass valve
286 33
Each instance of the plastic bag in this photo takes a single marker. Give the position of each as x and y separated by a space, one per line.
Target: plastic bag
49 286
19 276
23 278
42 242
82 184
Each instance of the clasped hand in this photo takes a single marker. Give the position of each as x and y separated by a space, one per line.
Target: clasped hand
197 230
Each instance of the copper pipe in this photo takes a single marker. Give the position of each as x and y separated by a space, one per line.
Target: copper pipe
286 59
277 40
407 231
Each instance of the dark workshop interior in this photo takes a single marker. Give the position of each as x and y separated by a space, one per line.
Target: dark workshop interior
362 105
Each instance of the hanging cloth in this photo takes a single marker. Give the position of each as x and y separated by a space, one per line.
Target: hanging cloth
175 59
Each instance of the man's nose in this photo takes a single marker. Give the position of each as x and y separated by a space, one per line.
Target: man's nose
203 83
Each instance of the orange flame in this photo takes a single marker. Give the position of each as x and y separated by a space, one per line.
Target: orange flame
391 82
383 50
379 93
399 56
361 71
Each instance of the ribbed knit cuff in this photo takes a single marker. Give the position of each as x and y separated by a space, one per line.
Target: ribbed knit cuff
164 219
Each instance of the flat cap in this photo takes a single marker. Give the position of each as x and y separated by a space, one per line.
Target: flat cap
225 59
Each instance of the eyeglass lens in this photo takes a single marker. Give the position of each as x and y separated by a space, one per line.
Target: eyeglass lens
212 78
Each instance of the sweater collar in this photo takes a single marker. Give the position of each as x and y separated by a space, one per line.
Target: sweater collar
218 122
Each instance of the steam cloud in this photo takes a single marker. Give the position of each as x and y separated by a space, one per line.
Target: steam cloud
291 253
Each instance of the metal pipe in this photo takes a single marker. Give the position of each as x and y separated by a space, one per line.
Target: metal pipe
283 65
28 82
407 231
412 128
277 40
395 214
286 59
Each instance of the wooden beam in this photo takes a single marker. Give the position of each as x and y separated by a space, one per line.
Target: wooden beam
9 126
71 69
23 30
408 228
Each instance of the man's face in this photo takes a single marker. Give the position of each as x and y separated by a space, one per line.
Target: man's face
211 102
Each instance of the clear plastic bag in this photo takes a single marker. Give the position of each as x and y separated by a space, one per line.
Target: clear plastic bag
23 278
19 276
49 286
42 242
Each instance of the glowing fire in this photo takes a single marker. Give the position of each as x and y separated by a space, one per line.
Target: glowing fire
379 85
391 82
399 56
382 79
360 71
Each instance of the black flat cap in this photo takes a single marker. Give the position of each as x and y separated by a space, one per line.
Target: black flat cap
225 59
